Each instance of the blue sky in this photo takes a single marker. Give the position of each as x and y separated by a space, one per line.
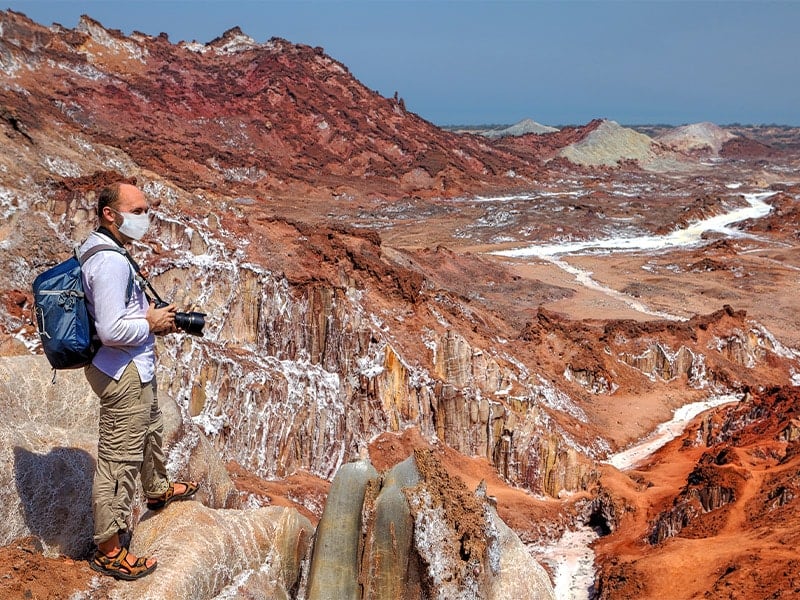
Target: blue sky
479 61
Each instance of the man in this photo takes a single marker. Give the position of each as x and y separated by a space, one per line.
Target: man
122 374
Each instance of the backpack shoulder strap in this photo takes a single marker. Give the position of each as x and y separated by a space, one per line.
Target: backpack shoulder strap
82 258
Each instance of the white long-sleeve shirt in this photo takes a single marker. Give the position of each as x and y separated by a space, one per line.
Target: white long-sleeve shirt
122 327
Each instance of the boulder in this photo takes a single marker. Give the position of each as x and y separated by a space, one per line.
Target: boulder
224 553
518 575
49 433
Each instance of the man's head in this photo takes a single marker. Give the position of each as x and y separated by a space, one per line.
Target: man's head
118 203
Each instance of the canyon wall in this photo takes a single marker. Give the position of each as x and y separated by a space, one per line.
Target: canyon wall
296 371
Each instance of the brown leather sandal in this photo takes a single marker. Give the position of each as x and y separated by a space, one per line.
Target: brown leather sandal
116 566
170 495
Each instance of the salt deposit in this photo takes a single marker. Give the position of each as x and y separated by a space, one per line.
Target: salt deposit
521 128
608 144
667 431
571 558
688 236
697 136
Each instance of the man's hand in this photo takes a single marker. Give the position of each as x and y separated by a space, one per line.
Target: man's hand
161 320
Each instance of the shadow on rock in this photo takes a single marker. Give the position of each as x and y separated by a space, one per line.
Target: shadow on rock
55 490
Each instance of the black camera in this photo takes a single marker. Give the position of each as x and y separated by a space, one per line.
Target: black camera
190 322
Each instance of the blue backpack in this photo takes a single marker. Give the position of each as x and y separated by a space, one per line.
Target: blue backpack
66 330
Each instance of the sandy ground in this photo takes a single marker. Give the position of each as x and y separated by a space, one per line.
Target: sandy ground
764 281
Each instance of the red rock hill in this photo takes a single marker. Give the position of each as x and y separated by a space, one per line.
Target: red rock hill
275 118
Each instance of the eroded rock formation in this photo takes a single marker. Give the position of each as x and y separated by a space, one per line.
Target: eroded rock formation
416 533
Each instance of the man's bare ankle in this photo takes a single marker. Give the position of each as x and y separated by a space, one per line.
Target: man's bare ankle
111 546
109 549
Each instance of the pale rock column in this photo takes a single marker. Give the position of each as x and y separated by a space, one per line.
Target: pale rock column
335 562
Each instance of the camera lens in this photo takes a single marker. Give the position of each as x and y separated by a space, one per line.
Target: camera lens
190 322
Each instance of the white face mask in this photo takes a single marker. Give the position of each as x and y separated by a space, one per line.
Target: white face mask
134 226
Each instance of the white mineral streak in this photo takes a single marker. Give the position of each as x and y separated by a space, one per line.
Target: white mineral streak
62 167
87 71
9 65
554 398
235 44
571 560
665 432
765 339
8 203
571 557
431 534
689 236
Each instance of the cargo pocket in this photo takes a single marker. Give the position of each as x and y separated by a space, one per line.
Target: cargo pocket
122 434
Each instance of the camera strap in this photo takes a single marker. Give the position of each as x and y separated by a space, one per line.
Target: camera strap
144 283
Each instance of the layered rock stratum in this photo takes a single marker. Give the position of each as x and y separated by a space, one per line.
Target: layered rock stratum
344 250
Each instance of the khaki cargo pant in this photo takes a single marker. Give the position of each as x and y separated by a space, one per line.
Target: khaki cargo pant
129 443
